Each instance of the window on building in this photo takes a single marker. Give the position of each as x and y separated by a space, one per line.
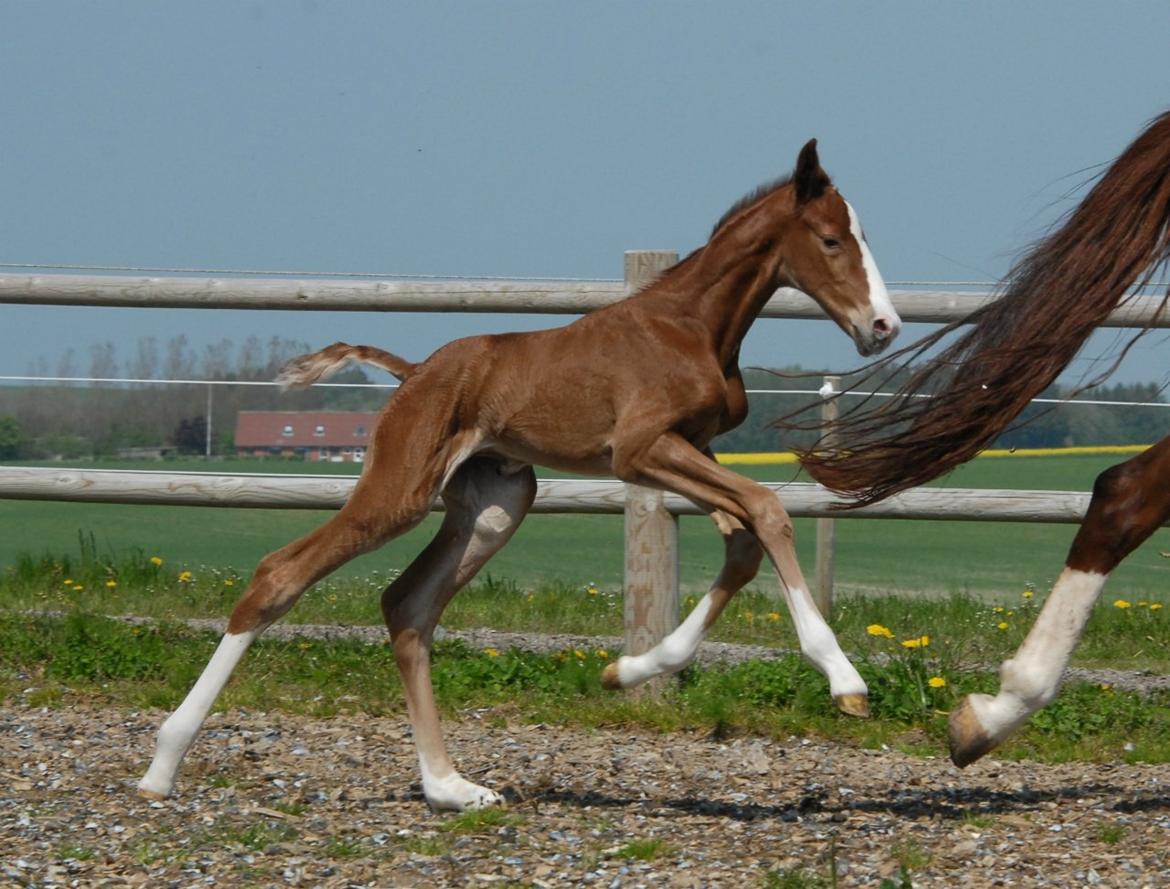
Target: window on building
360 431
320 430
287 430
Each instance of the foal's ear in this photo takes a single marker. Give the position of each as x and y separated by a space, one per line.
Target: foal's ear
810 180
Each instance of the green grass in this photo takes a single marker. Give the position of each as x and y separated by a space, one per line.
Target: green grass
56 661
875 556
972 630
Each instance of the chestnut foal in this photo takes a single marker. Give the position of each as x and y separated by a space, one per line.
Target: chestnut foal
637 389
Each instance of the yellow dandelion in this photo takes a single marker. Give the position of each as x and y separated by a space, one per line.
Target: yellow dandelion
1002 625
1156 606
156 561
879 630
748 616
602 653
68 581
111 583
936 682
1028 594
184 577
77 588
1120 603
592 590
911 643
579 654
998 609
229 582
924 639
492 652
773 616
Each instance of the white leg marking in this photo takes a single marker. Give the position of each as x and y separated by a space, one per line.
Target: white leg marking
1031 679
671 654
879 297
820 646
179 730
454 793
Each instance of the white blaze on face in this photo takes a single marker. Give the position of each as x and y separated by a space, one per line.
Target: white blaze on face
879 298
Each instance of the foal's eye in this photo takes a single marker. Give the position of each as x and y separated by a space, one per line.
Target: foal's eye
831 243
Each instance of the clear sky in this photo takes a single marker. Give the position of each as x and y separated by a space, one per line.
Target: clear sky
537 139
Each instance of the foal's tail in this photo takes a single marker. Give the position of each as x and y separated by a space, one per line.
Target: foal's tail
308 369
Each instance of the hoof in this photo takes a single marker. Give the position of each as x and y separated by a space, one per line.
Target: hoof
610 678
968 739
459 795
146 793
853 705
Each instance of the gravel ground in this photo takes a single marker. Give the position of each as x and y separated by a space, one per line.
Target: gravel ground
277 800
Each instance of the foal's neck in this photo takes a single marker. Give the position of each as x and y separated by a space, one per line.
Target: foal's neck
726 293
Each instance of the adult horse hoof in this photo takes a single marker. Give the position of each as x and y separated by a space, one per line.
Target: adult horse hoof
968 739
853 705
610 678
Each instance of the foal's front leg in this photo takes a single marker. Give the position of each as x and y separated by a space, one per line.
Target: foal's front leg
484 508
741 561
672 463
1130 502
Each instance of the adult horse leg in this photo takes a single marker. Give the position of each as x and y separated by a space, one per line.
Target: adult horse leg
484 508
741 562
672 463
1130 501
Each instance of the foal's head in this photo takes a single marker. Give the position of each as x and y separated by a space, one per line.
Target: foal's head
815 243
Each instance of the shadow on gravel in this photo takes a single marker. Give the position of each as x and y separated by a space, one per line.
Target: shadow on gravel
949 804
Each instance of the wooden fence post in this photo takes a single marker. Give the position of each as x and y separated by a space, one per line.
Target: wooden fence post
651 564
826 528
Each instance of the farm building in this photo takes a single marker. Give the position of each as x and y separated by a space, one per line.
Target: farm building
334 436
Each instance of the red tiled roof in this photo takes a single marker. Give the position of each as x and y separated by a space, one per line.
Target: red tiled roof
267 429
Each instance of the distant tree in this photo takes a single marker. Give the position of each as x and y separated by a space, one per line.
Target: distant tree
190 436
11 438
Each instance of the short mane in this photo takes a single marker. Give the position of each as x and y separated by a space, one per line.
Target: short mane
752 197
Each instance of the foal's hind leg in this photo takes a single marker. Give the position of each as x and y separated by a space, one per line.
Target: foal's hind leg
484 508
741 562
364 523
1130 502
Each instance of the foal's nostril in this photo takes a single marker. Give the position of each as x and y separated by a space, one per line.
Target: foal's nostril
882 328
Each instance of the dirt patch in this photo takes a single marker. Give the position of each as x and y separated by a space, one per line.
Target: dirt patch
277 800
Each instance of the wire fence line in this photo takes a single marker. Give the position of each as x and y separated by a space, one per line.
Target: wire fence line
148 381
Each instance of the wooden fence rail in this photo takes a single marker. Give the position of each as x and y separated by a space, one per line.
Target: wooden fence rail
464 295
651 540
554 496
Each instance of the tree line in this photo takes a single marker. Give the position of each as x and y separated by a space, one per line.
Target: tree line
46 421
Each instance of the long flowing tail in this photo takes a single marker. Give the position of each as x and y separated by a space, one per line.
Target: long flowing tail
1055 296
308 369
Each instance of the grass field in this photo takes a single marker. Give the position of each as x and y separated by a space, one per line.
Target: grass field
979 558
563 574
